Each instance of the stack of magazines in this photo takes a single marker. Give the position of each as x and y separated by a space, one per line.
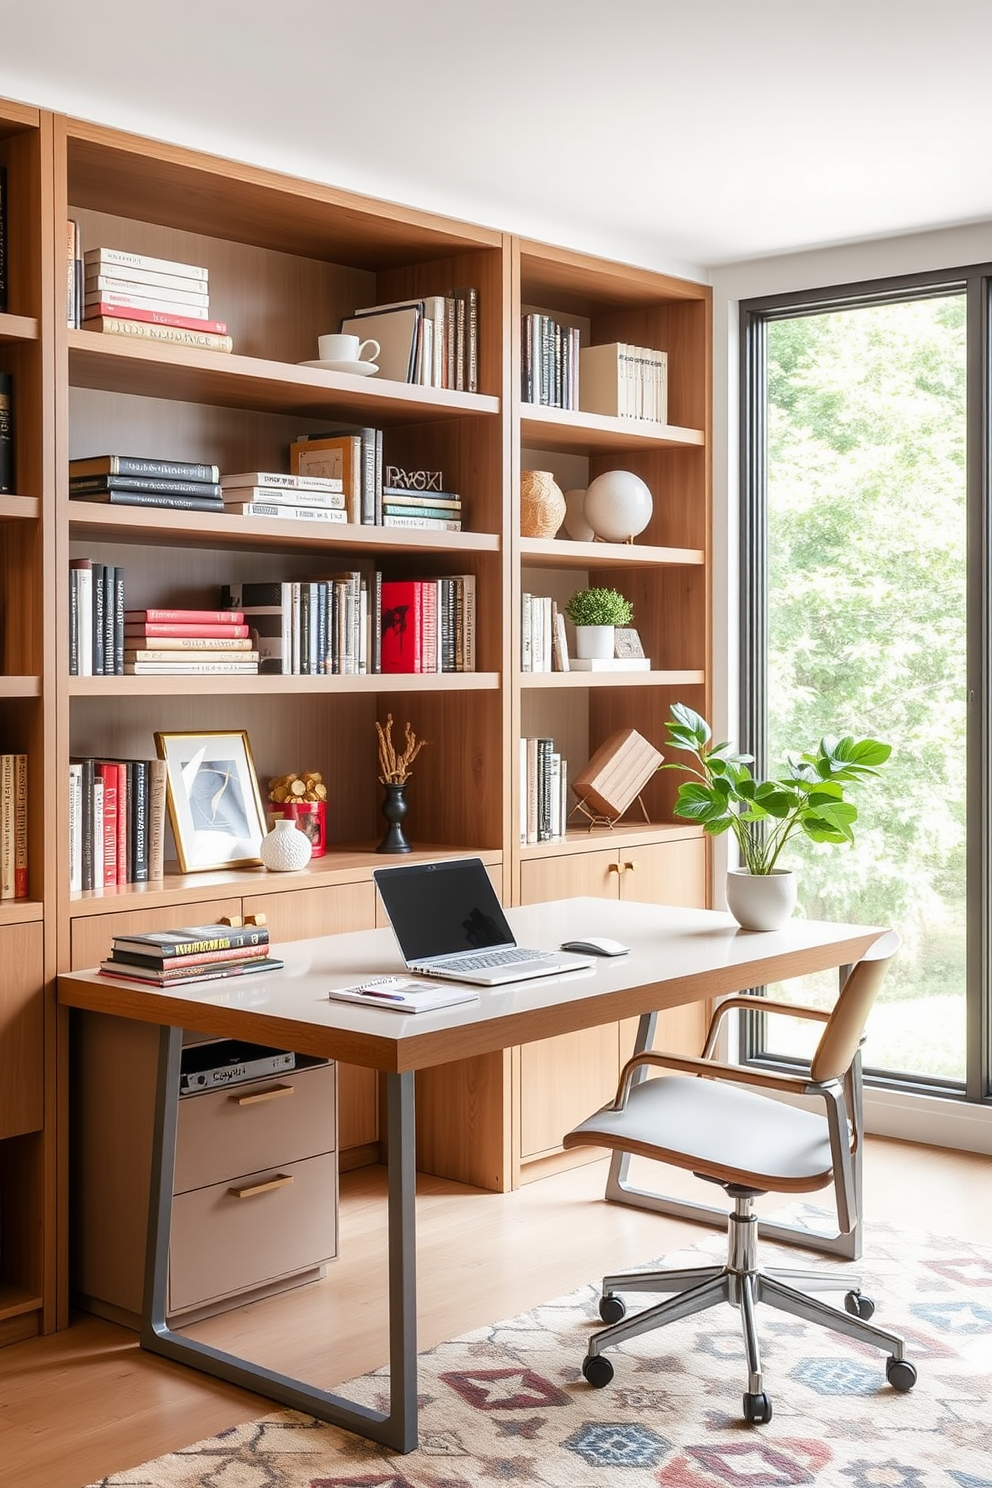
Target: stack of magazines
195 953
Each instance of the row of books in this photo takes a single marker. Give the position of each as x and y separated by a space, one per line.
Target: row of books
433 341
186 643
113 291
543 641
375 494
193 953
428 625
116 821
543 791
96 619
138 480
549 362
13 826
624 381
6 433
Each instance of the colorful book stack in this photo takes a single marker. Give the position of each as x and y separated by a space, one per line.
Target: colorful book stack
96 619
428 625
153 299
13 826
300 498
139 480
544 791
196 953
438 510
308 627
174 643
116 821
433 341
549 362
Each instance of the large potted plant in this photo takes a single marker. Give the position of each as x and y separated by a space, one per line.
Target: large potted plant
763 815
595 613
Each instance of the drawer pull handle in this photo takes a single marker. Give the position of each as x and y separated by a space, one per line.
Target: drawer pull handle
629 867
264 1095
613 867
251 1189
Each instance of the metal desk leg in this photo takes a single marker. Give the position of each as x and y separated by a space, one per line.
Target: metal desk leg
398 1428
620 1191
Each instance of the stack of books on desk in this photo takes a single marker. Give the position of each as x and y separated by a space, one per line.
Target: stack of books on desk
195 953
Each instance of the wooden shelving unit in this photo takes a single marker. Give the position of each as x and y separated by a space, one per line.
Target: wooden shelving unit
287 260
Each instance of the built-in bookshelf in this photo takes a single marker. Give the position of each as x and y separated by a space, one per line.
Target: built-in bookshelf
289 261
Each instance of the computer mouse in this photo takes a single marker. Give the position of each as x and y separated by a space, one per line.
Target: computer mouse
596 945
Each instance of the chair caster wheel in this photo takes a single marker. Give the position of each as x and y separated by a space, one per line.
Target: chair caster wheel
900 1373
612 1309
597 1370
859 1306
757 1409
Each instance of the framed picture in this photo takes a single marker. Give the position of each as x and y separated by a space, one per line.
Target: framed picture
626 642
215 806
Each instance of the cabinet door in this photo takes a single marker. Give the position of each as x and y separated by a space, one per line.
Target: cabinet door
668 873
570 876
332 910
22 1013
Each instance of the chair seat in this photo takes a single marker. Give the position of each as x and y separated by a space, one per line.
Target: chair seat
717 1130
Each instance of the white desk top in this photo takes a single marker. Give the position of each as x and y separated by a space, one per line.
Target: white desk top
676 956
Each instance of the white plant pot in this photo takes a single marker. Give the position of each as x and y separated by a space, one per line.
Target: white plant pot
593 642
761 901
285 847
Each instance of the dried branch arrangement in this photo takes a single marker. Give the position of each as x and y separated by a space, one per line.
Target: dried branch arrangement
394 769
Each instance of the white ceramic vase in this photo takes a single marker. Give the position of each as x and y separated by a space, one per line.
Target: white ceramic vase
285 847
593 642
761 901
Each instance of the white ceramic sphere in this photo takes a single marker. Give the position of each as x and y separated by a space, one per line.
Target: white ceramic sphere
575 523
618 505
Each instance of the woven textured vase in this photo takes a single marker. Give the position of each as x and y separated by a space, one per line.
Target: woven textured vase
542 504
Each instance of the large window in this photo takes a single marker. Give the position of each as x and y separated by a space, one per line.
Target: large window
865 591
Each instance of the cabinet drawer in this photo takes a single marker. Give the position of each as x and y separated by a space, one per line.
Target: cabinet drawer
233 1236
259 1124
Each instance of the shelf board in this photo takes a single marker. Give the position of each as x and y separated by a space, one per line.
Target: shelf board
347 863
120 365
163 525
534 680
567 430
20 687
626 835
16 1302
214 684
18 327
560 553
19 508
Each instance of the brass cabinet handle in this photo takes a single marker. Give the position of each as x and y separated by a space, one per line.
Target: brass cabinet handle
613 867
263 1095
630 867
252 1189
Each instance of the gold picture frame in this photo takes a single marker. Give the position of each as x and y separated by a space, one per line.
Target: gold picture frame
215 805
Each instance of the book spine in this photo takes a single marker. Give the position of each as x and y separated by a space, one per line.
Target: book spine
73 622
367 515
544 750
83 569
97 832
285 496
220 631
221 937
118 629
6 432
101 303
139 823
232 616
98 288
75 828
410 509
108 771
433 524
86 834
120 258
151 498
20 826
209 335
71 254
99 275
287 513
169 486
376 609
99 624
156 818
170 470
123 821
6 826
109 616
531 788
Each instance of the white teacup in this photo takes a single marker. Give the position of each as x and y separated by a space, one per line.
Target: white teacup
342 348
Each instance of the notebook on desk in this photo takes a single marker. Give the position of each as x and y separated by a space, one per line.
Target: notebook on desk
449 923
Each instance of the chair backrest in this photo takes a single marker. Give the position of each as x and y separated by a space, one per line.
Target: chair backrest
842 1034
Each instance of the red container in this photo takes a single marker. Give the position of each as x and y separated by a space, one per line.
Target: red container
310 817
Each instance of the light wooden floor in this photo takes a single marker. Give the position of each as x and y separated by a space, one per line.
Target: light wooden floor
86 1402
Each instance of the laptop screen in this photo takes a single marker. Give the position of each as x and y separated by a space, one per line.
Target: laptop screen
438 909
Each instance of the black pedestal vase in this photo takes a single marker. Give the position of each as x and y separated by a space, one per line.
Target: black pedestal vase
394 808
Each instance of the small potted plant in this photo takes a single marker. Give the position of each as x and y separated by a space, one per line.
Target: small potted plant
763 815
596 613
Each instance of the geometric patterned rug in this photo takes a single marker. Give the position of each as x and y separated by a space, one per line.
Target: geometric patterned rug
508 1404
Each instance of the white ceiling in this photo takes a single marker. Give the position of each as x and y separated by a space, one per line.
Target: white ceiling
676 133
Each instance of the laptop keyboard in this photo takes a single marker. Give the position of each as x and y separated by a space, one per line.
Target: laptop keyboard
507 957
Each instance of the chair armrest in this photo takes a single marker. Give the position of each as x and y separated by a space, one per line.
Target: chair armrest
711 1069
758 1005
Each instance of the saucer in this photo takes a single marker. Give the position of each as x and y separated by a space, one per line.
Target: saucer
357 369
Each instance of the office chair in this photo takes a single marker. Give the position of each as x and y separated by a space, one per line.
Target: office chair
750 1144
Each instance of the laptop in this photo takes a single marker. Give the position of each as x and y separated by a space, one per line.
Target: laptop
449 923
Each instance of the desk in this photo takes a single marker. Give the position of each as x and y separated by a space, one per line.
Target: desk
676 956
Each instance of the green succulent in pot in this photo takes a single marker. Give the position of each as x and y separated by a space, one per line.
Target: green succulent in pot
763 815
599 607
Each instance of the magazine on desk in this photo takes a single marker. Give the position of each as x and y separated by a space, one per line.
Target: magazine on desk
403 994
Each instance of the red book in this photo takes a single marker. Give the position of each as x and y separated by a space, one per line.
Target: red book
402 626
184 617
157 317
109 772
164 628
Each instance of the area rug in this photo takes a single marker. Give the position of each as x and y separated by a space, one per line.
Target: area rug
508 1404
